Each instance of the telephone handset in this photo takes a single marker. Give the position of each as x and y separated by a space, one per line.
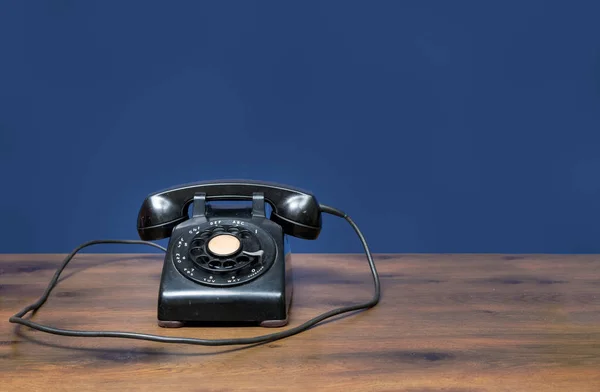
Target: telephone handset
295 210
223 264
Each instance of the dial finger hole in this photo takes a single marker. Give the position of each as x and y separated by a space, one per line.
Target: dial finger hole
198 242
196 251
203 259
233 230
204 234
243 259
218 230
216 264
228 264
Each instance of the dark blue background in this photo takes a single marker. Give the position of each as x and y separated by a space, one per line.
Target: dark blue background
440 126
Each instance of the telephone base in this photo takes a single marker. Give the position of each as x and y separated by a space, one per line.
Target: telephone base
196 288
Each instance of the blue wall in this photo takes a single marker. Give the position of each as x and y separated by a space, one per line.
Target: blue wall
440 126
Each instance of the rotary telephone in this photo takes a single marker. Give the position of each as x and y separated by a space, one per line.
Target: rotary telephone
223 264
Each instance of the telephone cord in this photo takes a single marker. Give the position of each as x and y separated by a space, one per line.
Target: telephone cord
18 317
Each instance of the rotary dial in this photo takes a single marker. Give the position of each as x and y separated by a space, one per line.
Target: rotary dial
223 252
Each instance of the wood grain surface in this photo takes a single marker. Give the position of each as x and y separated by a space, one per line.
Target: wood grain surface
445 323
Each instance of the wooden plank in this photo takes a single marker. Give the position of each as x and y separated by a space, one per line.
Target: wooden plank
445 323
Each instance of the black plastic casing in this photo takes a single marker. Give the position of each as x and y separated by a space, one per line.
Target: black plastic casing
264 300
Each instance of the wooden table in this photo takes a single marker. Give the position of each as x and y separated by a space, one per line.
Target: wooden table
445 323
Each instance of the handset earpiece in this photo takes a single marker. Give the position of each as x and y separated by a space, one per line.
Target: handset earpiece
298 216
159 215
295 210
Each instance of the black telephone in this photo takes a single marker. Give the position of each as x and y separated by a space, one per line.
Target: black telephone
227 264
223 264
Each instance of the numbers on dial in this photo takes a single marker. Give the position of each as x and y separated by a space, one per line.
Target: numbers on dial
189 258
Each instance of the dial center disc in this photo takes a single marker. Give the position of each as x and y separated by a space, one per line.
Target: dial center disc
224 245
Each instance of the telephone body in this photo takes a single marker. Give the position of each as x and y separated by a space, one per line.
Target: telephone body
227 264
